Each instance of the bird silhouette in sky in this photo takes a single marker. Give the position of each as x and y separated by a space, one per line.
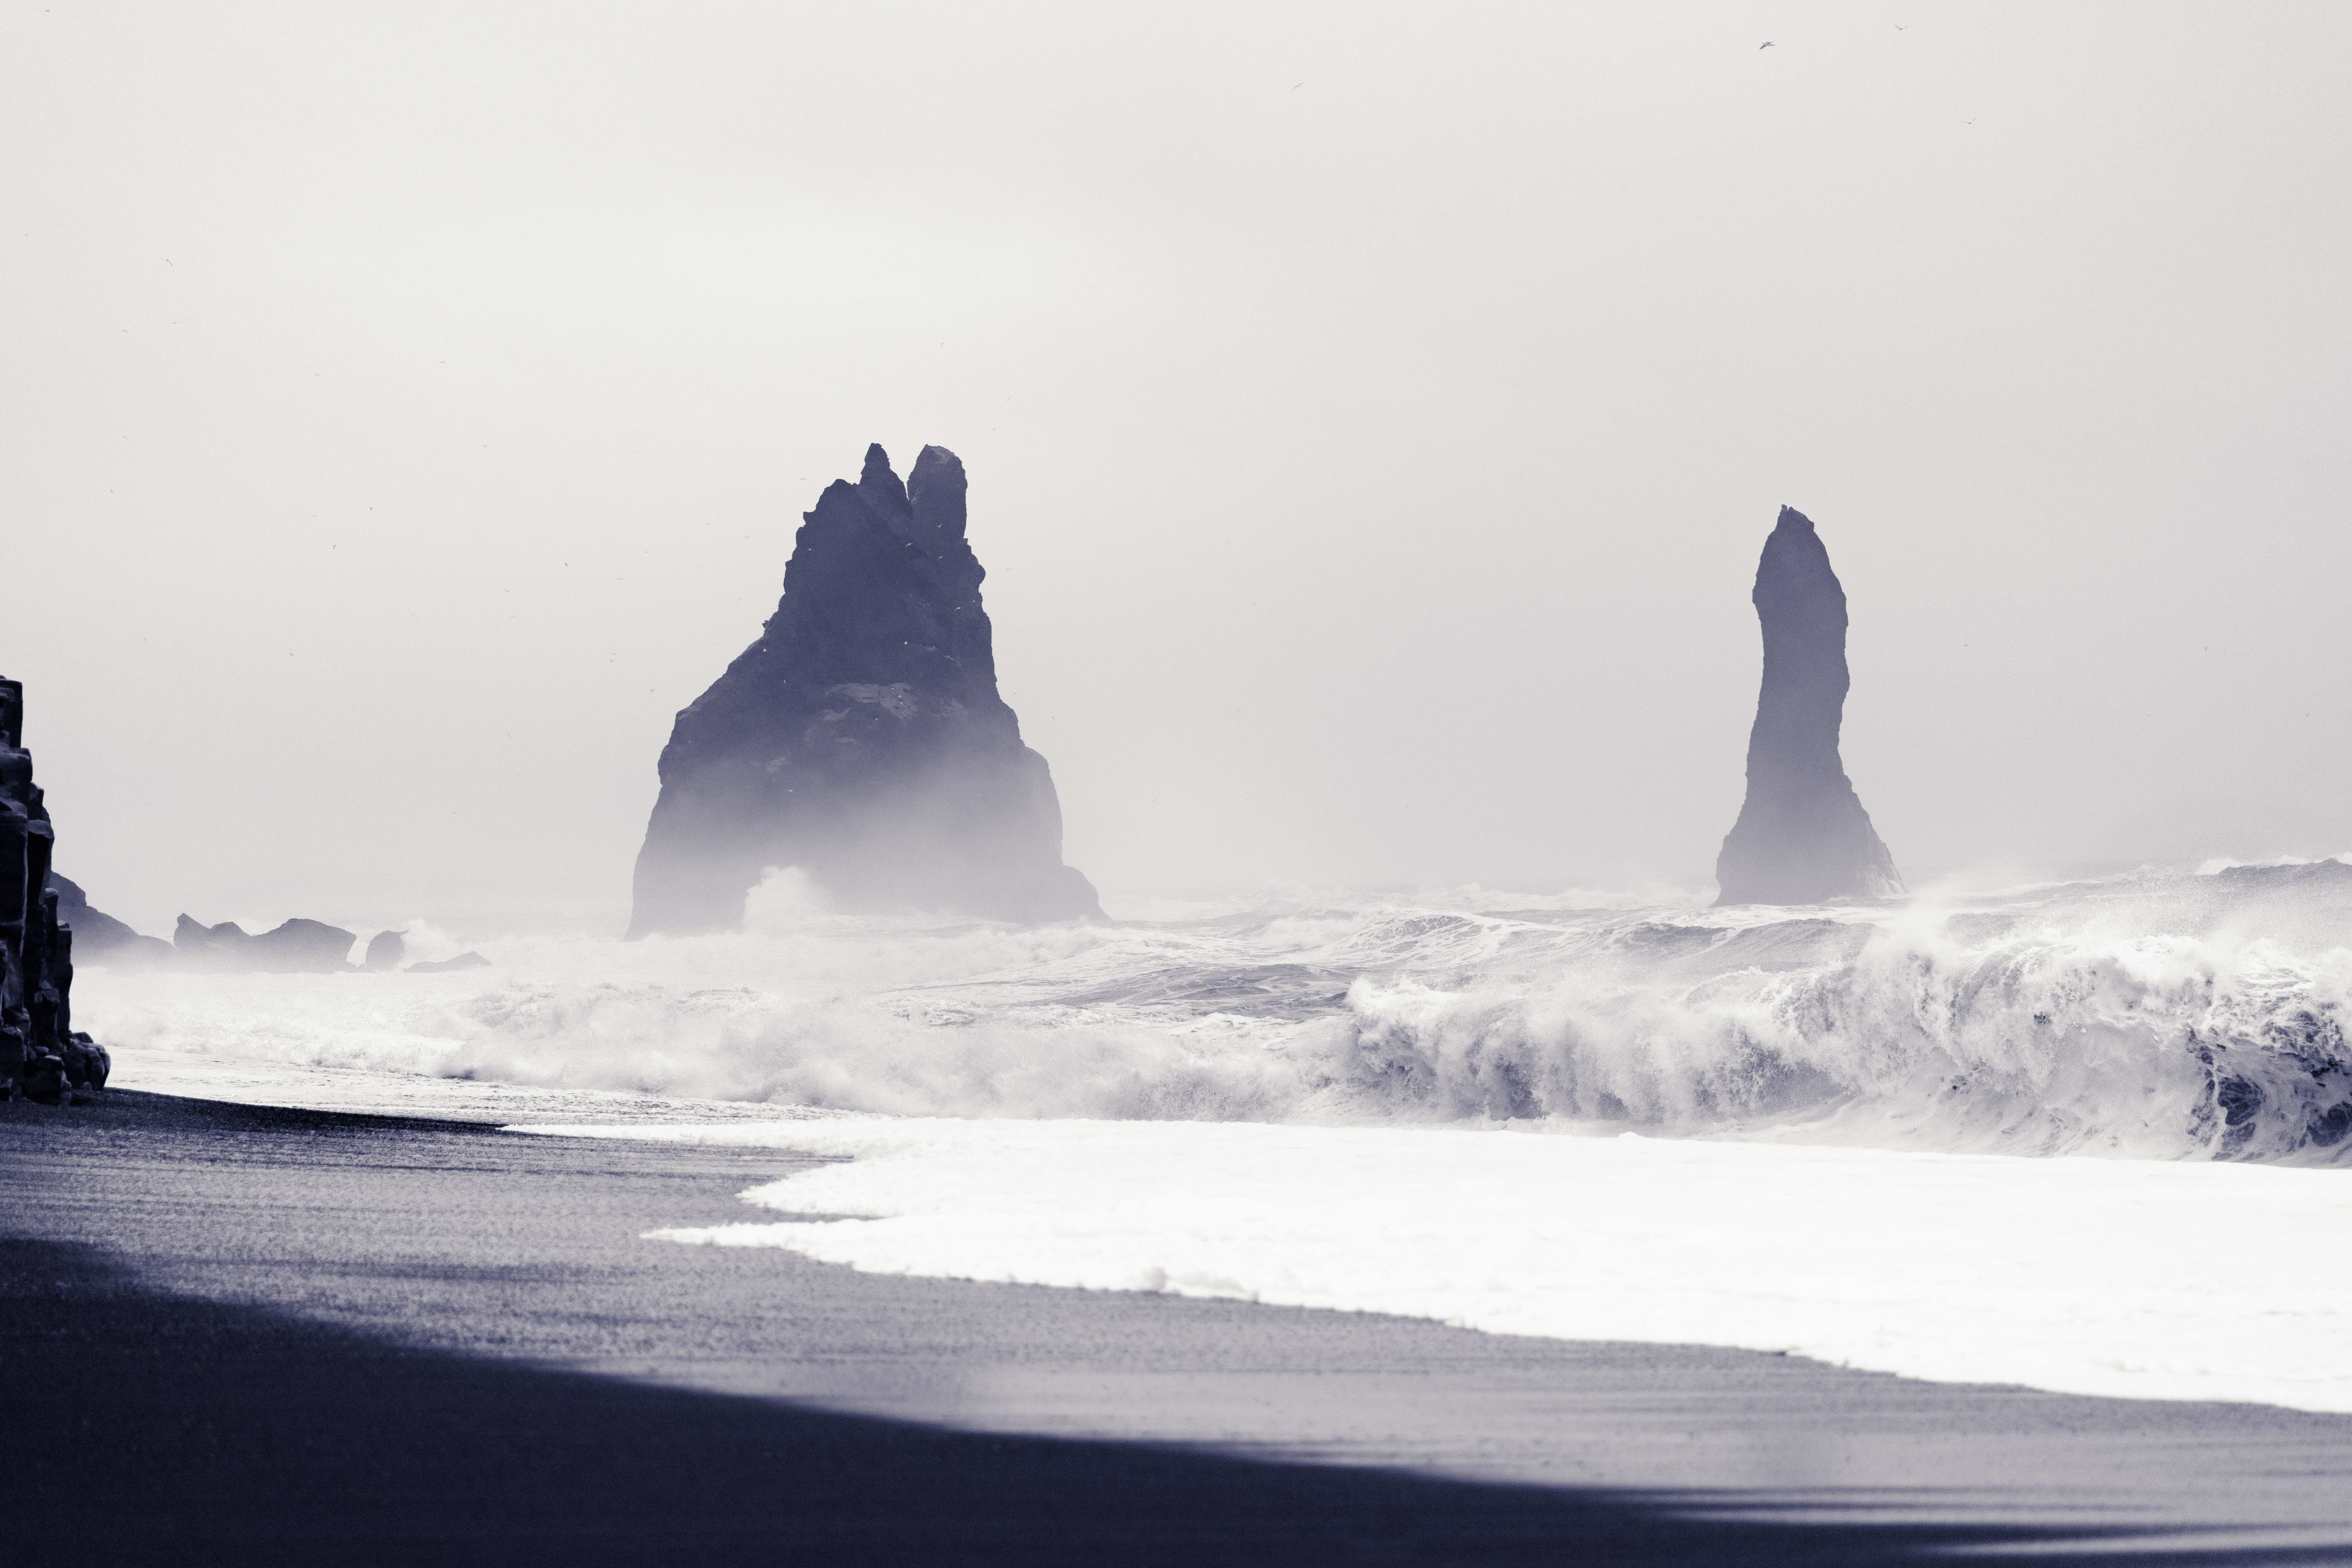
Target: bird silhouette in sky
1765 45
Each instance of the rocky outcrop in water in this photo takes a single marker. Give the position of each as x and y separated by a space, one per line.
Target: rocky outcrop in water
296 947
861 739
464 961
386 950
1802 838
42 1055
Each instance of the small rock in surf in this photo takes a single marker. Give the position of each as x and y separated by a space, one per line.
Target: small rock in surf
450 965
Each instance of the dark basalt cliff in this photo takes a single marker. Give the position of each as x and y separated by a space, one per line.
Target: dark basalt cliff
861 739
1802 838
41 1056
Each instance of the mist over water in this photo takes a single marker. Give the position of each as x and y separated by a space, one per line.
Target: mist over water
411 409
2170 1013
1372 416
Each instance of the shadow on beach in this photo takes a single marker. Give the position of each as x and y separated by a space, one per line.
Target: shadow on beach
155 1428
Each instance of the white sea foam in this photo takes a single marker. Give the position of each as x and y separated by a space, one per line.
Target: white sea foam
1414 1105
2163 1014
2154 1279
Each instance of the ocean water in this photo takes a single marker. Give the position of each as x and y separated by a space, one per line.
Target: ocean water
2075 1135
2170 1014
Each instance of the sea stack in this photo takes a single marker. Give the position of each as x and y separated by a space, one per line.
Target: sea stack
1802 838
41 1056
861 738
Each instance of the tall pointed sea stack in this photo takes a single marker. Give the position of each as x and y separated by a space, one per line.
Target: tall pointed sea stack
1802 838
861 739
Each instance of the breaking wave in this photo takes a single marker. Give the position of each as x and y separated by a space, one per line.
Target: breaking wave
2166 1013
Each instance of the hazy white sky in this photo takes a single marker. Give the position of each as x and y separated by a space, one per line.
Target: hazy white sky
1373 414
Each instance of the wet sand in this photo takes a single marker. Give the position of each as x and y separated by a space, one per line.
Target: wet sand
243 1335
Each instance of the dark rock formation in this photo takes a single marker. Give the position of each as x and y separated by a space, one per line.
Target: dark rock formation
2311 874
41 1056
1802 838
98 935
386 950
297 947
450 965
861 739
304 947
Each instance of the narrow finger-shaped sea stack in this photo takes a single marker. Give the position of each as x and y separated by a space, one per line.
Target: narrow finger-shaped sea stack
1802 838
861 739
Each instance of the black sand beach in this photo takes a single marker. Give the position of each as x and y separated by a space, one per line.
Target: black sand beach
238 1334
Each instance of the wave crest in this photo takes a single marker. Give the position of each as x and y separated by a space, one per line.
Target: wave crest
2053 1042
2163 1014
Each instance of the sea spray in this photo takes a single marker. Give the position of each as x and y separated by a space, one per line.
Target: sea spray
2155 1045
2165 1013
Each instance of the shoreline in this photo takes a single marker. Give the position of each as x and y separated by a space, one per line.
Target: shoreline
253 1271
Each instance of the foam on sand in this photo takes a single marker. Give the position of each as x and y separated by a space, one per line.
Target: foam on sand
2141 1279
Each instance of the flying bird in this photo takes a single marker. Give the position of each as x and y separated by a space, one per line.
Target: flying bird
1765 45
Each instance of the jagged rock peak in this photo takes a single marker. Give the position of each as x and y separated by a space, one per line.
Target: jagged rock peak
934 490
879 482
1803 836
861 739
